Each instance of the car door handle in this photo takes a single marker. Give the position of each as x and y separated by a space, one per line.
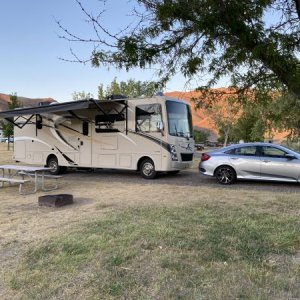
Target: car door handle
266 161
234 157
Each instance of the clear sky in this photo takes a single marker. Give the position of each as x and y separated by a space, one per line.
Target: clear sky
30 49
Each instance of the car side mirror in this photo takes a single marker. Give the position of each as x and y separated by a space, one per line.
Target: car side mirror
290 156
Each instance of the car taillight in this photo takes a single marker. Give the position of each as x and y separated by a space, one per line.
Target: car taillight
205 157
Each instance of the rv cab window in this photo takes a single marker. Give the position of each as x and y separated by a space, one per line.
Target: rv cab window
147 117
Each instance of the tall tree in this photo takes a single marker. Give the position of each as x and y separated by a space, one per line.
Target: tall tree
8 128
81 95
254 123
130 88
224 115
200 135
256 43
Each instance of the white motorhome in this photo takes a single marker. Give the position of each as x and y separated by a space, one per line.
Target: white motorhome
146 134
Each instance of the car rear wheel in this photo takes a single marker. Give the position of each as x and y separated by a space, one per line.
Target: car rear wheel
225 175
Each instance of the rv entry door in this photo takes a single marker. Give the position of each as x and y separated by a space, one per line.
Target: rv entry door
85 146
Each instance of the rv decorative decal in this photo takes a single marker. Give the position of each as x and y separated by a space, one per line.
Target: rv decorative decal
58 136
127 138
27 138
68 159
55 131
154 139
186 146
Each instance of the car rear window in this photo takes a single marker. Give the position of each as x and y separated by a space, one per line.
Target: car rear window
231 151
248 151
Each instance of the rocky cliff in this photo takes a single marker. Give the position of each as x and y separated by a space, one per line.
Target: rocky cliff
25 102
202 120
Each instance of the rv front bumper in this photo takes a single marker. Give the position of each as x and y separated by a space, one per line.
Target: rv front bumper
178 165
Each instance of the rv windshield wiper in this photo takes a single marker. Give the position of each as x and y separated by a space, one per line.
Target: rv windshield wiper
181 134
176 130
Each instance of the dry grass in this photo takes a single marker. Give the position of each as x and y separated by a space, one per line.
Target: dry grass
129 238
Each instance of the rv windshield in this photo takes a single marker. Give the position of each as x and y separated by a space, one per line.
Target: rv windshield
179 119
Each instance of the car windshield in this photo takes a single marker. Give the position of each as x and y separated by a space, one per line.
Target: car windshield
179 119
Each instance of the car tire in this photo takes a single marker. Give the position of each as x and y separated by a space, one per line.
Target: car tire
53 164
147 169
225 175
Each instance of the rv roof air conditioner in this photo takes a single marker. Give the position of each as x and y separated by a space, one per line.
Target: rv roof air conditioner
115 97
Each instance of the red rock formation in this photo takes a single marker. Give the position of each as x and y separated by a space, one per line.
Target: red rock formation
5 99
202 120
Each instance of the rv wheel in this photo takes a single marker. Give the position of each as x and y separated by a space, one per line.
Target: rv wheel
147 169
53 164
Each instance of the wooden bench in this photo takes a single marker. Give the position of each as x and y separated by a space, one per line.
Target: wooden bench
13 180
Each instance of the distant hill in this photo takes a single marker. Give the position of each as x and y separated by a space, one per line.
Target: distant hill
25 102
202 120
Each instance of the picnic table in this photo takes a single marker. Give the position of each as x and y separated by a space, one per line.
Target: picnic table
34 174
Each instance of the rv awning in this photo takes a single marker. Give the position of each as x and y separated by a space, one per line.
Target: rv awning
57 107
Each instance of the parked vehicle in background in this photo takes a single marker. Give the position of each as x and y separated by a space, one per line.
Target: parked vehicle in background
256 161
5 140
199 147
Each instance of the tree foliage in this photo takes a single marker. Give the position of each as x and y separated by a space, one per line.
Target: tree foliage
200 135
256 43
224 115
250 126
8 128
81 95
130 88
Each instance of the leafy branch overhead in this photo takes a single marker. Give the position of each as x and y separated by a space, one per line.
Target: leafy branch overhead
254 43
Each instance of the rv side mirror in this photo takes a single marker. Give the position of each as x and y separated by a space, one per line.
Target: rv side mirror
39 122
160 125
85 128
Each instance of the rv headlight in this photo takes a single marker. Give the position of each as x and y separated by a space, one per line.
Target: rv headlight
173 152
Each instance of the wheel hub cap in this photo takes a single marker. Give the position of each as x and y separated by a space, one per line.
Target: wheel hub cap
148 169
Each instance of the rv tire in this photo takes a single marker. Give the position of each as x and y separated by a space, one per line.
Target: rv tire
147 169
53 164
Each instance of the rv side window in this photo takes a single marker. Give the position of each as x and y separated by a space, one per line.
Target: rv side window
39 122
147 117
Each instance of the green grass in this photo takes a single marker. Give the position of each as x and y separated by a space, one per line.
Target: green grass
200 252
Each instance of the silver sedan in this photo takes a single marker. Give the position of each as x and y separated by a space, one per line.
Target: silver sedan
257 161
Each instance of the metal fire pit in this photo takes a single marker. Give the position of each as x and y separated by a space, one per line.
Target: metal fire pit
56 200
